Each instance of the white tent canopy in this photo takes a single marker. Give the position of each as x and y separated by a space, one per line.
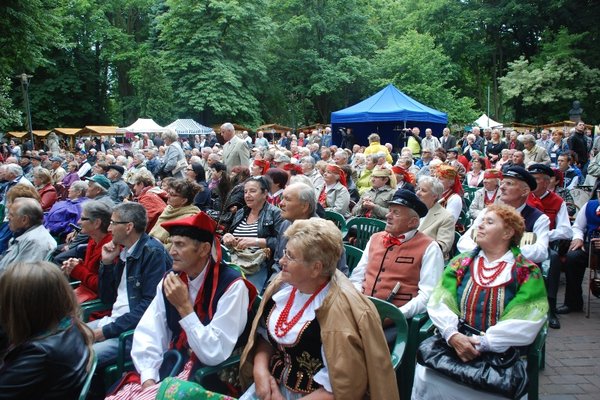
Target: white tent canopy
486 122
142 125
189 127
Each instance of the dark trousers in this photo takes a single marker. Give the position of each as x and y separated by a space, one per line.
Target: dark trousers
553 278
575 266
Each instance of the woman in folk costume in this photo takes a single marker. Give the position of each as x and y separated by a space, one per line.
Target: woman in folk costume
200 309
405 180
495 290
488 194
335 195
452 197
315 335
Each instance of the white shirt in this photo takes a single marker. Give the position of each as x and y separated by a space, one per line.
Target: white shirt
506 333
580 224
212 343
280 298
121 305
562 230
454 206
430 274
537 252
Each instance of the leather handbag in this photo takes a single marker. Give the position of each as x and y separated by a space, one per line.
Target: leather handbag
500 373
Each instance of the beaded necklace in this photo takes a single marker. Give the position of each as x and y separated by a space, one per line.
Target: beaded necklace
488 275
283 326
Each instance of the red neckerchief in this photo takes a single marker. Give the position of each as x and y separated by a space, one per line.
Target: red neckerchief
389 240
490 201
323 197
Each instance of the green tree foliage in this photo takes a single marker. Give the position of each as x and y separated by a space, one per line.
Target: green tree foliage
318 53
9 116
213 54
548 89
413 63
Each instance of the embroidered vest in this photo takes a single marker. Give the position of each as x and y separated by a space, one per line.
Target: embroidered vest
530 215
551 203
295 365
592 220
481 307
227 276
387 266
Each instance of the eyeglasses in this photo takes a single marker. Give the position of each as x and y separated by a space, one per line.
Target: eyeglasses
173 194
286 254
84 218
119 222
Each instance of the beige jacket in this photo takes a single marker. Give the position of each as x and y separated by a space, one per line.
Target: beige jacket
438 224
357 355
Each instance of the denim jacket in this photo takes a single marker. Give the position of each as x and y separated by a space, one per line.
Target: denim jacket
145 268
269 223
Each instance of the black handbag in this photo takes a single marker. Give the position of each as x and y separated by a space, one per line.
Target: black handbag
500 373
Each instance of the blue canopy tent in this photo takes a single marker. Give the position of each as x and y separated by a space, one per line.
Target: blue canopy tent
387 113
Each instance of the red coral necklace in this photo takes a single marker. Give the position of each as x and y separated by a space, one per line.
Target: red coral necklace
283 326
488 275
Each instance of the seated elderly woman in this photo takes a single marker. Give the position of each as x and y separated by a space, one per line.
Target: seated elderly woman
335 195
180 204
45 347
451 198
255 226
496 291
474 177
438 224
67 211
307 311
363 183
488 194
42 180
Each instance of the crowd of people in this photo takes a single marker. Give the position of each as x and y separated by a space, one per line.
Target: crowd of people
145 227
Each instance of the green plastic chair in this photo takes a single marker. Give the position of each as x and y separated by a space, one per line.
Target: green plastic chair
353 256
365 228
92 306
454 249
389 311
88 380
338 219
536 362
407 368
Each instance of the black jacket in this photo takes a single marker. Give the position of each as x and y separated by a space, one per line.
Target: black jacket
52 367
269 223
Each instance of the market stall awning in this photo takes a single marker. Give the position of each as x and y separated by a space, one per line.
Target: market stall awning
142 125
274 128
67 131
188 127
486 122
98 130
40 133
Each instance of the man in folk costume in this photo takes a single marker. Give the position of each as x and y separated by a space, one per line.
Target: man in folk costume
514 191
560 230
200 309
401 264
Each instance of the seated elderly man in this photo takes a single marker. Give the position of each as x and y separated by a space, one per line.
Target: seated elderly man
401 264
119 189
98 186
298 202
200 308
31 241
514 191
132 264
374 202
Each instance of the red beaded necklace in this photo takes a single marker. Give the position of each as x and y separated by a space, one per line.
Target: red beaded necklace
283 326
492 272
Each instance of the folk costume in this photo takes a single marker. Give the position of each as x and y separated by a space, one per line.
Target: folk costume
504 298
